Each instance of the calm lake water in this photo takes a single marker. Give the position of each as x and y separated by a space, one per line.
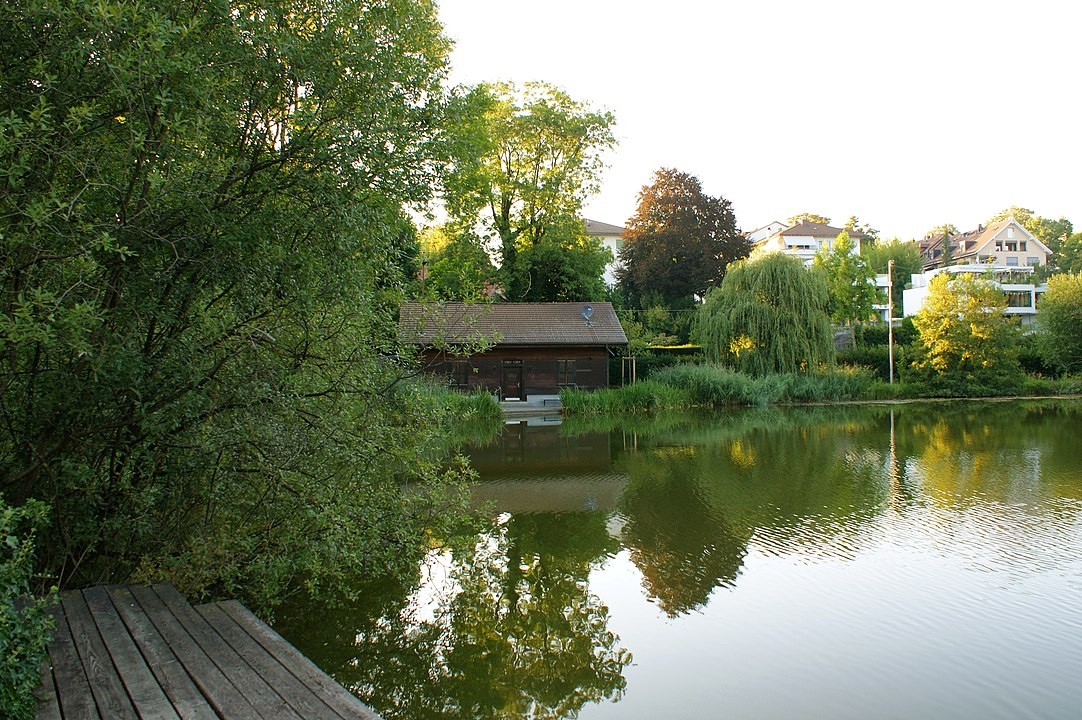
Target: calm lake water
915 561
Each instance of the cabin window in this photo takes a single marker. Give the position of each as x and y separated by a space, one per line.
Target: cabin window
565 372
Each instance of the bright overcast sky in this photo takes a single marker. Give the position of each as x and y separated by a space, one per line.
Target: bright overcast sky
907 115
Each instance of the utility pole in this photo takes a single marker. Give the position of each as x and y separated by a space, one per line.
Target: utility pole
890 317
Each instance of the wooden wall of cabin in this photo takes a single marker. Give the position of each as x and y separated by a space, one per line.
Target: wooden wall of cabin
544 370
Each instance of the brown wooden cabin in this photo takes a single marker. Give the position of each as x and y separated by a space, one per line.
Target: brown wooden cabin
529 348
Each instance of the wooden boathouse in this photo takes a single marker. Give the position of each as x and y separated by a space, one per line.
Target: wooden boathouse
515 350
128 653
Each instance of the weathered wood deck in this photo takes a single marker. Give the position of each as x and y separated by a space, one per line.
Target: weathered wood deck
129 652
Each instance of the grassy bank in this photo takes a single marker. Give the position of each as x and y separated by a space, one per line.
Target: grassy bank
690 386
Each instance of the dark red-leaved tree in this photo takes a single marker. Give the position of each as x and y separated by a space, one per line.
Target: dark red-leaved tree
678 243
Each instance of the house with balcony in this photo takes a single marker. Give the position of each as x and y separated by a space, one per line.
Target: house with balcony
802 240
1015 281
1004 251
1006 243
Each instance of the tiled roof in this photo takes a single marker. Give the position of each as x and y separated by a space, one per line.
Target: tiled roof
811 229
511 323
593 227
962 244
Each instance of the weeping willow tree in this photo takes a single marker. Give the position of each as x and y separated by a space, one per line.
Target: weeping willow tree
768 316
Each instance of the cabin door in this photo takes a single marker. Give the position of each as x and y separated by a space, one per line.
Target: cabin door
512 380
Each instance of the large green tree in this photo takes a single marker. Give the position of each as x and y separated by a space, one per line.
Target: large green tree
203 241
1059 316
456 265
567 265
850 281
768 316
678 243
533 156
967 342
906 262
1068 257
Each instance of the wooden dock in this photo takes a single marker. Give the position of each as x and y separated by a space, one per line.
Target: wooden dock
128 652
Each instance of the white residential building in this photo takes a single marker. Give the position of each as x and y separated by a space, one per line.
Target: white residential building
611 236
1015 281
802 240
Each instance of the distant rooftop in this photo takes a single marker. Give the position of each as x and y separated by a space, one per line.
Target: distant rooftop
593 227
812 229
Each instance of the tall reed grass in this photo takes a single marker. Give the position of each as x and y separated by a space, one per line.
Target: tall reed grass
716 386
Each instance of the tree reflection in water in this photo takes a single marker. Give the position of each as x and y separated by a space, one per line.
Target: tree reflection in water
509 631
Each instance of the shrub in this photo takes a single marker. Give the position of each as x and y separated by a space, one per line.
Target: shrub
25 626
873 335
875 359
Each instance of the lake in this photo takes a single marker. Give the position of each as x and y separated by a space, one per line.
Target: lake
909 561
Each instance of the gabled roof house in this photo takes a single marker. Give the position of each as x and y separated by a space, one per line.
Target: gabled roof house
802 240
1004 251
515 349
1006 243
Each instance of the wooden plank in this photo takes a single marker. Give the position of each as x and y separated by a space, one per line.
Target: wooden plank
344 702
72 687
186 698
223 695
259 694
299 697
105 683
48 703
146 695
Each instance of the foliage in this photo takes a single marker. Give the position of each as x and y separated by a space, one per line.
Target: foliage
535 156
968 344
873 358
657 324
768 316
1059 317
204 245
25 626
943 229
678 243
1068 257
849 279
457 266
808 217
854 225
566 265
907 262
